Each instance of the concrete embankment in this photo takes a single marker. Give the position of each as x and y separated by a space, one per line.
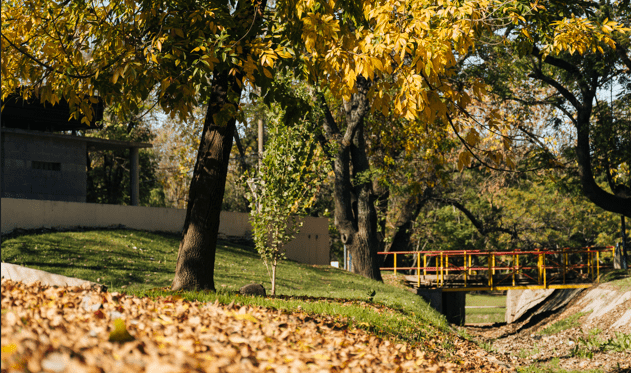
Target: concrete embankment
576 330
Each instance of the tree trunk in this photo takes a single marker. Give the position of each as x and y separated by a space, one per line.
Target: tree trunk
196 255
365 244
355 214
401 232
593 191
623 231
274 276
584 106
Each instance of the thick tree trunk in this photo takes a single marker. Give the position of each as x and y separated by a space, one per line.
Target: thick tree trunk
355 214
400 233
365 244
623 231
593 191
196 255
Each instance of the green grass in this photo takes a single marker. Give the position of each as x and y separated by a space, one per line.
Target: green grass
552 366
485 315
561 325
619 278
143 264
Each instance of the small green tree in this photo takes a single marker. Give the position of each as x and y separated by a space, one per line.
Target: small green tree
286 184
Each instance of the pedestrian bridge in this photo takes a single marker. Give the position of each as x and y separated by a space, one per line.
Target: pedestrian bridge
475 270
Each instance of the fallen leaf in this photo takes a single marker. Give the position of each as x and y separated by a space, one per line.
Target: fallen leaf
120 333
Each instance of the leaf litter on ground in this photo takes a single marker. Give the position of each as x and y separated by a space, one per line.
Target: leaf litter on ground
83 329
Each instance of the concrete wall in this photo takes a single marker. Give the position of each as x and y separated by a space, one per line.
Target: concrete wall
310 246
524 304
25 159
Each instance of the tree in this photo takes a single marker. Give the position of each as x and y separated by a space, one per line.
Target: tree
389 56
578 50
284 186
183 52
384 57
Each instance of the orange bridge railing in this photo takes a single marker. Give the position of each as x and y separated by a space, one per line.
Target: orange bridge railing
467 270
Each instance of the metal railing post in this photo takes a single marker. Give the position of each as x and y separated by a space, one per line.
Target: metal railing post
447 265
543 264
424 264
469 263
490 272
597 266
564 265
395 264
442 272
539 277
514 269
465 269
418 270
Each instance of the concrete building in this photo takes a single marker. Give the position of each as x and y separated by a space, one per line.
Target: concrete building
40 161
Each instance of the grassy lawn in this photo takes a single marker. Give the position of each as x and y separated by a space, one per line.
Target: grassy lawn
143 263
485 315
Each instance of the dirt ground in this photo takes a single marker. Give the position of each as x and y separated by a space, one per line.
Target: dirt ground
572 339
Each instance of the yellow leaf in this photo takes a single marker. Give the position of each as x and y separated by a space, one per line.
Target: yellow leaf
9 349
463 160
245 316
267 73
284 54
120 333
472 138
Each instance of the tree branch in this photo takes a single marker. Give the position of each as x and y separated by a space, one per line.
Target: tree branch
622 53
52 69
330 126
480 226
538 74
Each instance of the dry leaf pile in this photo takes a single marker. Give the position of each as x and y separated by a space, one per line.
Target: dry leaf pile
78 329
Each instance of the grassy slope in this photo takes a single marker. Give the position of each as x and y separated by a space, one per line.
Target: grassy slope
143 264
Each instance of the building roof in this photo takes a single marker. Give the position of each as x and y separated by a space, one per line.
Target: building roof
93 143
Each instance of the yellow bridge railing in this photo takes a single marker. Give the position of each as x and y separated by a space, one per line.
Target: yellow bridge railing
462 270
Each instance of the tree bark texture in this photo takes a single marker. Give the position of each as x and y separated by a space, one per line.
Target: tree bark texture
366 243
400 234
196 255
355 214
